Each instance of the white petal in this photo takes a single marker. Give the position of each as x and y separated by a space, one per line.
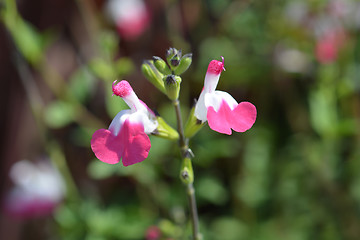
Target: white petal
118 121
227 98
215 99
200 109
39 180
134 102
21 172
149 124
211 82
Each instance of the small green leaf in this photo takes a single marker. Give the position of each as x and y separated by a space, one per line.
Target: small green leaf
124 66
58 114
81 84
109 43
212 190
102 69
227 228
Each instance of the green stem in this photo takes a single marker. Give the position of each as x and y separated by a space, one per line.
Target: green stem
186 153
193 211
182 140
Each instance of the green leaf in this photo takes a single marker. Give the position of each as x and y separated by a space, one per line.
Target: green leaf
211 189
124 66
252 186
81 84
59 113
102 69
109 43
227 228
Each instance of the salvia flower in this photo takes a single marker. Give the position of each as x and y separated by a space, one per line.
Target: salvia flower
132 18
153 233
329 44
126 137
38 189
219 108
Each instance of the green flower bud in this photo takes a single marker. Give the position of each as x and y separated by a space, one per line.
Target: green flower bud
184 64
170 53
193 125
175 61
153 75
161 65
187 173
172 86
164 130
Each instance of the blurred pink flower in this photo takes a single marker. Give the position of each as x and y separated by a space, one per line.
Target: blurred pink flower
326 51
126 137
39 188
219 108
328 46
153 233
131 17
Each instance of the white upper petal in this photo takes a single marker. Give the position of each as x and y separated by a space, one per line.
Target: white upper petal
135 103
215 99
212 99
118 121
211 82
146 119
200 109
39 180
143 116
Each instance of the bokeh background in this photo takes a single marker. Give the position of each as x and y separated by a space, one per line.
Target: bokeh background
295 175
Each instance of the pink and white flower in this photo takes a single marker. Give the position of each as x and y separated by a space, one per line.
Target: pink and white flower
126 137
131 17
329 44
219 108
39 188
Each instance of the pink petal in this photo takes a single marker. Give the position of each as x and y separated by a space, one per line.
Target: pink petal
243 117
219 121
19 204
107 147
137 143
240 119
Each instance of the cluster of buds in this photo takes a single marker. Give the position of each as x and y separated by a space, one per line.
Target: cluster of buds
165 75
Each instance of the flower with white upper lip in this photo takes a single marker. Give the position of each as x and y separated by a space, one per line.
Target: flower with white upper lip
126 137
38 189
219 108
132 17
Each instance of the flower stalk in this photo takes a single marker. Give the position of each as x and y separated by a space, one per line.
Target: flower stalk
186 173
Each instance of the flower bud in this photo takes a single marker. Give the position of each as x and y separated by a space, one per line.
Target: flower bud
193 125
170 53
153 75
161 65
184 64
172 86
163 130
187 173
175 61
